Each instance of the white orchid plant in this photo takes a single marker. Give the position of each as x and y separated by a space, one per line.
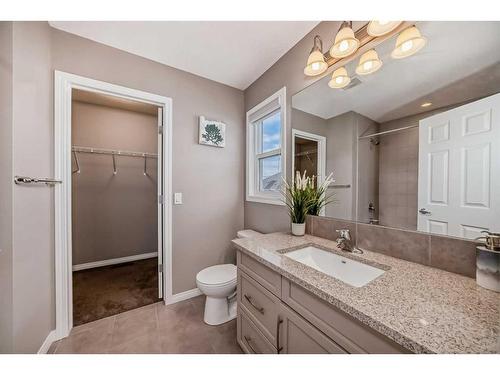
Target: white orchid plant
304 197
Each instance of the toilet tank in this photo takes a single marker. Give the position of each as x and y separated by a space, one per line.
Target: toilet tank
247 233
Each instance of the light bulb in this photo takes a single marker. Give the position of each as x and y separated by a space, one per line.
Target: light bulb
315 66
406 46
339 79
344 45
368 63
409 42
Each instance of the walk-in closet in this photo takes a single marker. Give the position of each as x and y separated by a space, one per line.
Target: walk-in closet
114 205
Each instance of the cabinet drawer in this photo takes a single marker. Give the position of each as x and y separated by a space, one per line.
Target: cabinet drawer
351 334
251 340
261 305
268 278
297 336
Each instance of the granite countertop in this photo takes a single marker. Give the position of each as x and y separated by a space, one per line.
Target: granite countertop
424 309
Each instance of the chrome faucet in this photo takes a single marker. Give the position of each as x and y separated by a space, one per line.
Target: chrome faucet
344 240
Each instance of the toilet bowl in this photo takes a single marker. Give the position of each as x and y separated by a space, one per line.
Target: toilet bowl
218 283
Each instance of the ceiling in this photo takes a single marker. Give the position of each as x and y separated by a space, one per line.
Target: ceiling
459 63
232 53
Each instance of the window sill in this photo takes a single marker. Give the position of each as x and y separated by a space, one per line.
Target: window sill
262 199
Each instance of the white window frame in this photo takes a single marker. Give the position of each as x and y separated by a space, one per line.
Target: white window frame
253 193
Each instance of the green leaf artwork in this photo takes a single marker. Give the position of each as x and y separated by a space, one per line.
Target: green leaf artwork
213 134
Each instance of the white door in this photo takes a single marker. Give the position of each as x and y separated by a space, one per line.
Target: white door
459 170
161 200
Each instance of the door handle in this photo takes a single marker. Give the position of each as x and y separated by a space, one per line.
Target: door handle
424 211
22 180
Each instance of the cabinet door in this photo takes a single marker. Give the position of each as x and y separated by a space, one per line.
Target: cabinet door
297 336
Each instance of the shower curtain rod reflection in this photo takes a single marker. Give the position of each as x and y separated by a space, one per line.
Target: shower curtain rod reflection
103 151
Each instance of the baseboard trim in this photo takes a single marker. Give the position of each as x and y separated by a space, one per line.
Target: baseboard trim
184 296
109 262
51 337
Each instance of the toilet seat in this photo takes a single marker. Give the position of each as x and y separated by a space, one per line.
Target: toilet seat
220 275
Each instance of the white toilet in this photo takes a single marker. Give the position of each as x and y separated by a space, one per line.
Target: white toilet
218 283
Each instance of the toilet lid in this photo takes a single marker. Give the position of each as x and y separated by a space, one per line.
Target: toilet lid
219 274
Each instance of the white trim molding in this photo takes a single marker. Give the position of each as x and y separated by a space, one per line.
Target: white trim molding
64 83
185 295
276 102
49 340
110 262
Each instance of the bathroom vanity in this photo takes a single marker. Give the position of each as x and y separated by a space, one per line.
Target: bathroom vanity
286 306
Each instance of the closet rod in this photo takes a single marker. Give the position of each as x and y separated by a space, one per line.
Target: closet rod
103 151
388 131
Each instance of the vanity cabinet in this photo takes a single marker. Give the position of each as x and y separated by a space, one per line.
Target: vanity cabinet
277 316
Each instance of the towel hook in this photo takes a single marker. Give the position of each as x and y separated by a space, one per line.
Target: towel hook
145 165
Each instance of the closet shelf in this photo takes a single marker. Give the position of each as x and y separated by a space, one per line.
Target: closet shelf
103 151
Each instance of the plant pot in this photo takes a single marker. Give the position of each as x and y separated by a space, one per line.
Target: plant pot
298 229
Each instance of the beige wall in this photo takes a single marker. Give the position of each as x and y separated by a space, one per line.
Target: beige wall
211 179
113 215
204 225
287 71
341 160
6 187
33 207
309 123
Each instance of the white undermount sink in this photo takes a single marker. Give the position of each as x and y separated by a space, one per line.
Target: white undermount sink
347 270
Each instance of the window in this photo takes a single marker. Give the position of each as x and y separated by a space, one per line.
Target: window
266 149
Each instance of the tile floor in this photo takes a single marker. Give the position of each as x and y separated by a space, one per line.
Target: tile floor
175 329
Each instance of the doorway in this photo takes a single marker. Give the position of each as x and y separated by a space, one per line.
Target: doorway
308 155
113 225
114 205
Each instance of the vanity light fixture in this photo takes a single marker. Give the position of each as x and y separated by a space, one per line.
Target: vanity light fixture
340 79
379 28
345 43
426 104
368 63
409 42
316 62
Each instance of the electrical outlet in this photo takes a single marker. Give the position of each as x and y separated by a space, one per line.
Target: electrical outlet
178 198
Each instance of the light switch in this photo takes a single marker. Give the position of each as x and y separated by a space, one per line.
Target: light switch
178 198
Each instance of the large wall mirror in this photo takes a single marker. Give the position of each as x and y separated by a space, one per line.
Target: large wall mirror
416 144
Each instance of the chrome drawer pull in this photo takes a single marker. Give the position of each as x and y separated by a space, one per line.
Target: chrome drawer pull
249 299
248 339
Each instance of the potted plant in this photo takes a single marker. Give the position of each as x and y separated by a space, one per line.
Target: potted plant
303 198
297 198
318 194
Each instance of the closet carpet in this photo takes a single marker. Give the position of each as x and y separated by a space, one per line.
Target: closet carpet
105 291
